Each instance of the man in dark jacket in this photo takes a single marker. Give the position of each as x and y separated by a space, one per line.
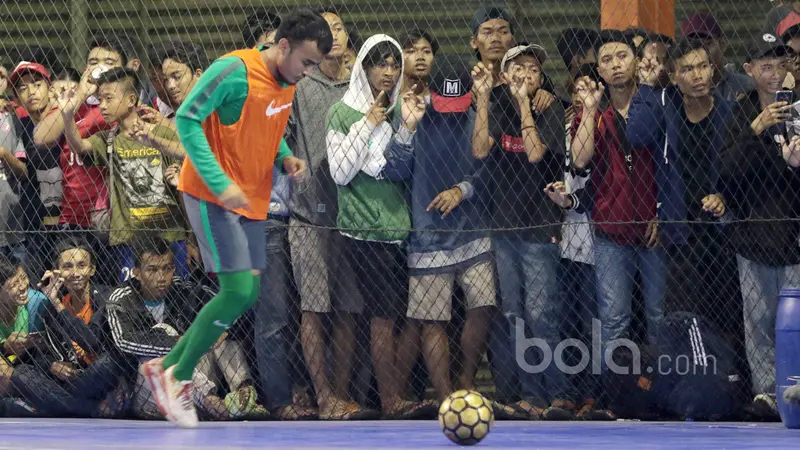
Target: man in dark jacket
686 126
148 315
447 194
77 374
761 185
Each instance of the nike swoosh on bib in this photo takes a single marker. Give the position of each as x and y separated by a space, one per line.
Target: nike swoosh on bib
272 109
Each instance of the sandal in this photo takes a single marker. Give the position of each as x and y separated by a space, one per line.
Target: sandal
513 411
587 412
349 411
295 412
413 411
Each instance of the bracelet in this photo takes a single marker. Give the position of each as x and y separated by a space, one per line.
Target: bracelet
529 126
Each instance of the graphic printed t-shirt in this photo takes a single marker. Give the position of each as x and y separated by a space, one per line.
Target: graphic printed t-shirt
141 198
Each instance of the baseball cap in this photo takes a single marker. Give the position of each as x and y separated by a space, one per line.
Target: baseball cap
487 13
450 85
791 21
766 45
790 33
701 25
535 50
25 67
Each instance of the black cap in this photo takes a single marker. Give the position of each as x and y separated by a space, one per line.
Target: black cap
450 84
574 41
764 45
487 13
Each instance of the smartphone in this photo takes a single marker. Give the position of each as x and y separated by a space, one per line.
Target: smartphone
36 336
784 96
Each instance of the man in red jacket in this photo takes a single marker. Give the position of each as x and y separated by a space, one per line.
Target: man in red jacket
624 197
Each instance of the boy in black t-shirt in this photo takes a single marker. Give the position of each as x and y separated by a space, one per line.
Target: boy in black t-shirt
525 150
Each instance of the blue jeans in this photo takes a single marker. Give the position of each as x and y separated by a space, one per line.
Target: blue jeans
528 279
272 318
761 286
579 292
616 267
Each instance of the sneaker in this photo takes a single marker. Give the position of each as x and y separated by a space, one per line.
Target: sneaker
180 401
153 372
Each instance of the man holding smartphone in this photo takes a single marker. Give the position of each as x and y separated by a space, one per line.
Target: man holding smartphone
760 185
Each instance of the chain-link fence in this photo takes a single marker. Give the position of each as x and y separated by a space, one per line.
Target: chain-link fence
581 224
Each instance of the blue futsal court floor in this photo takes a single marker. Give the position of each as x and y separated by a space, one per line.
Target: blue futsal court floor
50 434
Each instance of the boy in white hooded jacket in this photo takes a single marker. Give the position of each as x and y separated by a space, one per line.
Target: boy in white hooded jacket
369 160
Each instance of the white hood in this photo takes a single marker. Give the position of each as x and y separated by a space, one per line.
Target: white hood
359 94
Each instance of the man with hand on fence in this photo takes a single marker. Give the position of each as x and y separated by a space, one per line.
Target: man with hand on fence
492 36
686 125
419 50
623 189
368 162
136 154
526 149
84 187
76 373
448 192
42 193
758 172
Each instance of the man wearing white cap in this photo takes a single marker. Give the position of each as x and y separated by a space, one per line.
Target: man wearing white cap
527 148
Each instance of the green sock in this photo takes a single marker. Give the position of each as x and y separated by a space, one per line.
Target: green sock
238 292
174 355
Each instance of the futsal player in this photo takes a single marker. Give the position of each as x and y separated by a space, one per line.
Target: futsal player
231 125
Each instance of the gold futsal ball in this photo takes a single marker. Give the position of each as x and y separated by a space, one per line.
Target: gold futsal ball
466 417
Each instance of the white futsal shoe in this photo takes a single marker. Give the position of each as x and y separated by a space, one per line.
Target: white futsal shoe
180 402
153 373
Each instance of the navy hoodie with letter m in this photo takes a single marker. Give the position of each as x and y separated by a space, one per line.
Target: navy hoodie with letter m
443 160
